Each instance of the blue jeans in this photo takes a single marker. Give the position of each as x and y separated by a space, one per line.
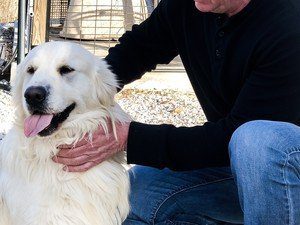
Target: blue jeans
261 188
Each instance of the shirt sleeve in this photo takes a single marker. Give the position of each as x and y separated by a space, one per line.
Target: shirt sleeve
271 92
147 45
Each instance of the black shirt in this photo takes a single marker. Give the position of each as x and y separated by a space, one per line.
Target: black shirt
242 68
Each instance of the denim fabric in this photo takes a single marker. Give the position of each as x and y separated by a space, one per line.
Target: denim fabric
265 164
195 197
265 161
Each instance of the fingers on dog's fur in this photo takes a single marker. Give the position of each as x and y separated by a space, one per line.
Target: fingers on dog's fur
74 152
86 140
100 143
93 161
71 152
81 168
79 160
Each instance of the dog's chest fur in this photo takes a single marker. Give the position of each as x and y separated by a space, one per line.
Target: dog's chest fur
35 190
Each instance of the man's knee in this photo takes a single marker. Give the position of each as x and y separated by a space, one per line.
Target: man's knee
261 144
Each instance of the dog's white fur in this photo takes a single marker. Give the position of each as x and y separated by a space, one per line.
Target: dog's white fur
34 189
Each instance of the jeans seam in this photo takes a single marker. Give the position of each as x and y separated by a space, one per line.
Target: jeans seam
287 190
177 191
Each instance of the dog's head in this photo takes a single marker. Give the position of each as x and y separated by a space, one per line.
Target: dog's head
58 79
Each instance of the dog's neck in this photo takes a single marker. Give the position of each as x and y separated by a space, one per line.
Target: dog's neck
76 127
36 152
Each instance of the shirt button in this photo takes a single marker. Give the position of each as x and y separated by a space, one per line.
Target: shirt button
221 33
218 53
220 20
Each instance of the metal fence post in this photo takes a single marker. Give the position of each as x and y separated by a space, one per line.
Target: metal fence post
21 30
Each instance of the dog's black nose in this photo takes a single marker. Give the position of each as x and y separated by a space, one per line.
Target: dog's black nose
35 95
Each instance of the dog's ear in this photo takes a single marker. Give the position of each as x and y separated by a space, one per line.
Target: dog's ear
105 83
17 84
17 94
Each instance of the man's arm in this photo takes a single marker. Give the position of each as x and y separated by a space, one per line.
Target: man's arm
147 45
271 92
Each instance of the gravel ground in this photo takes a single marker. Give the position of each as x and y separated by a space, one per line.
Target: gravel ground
162 106
148 106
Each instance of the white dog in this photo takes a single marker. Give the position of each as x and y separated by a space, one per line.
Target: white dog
61 92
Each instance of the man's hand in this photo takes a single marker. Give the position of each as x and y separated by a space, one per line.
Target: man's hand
89 153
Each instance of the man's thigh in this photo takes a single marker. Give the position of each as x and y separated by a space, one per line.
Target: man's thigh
205 196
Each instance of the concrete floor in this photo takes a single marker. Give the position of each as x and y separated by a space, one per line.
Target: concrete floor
163 80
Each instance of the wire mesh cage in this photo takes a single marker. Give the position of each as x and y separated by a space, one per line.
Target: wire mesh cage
96 24
58 12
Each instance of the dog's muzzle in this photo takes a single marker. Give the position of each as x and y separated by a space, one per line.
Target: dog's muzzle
41 120
35 97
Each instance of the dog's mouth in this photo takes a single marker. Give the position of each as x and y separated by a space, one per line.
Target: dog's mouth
43 124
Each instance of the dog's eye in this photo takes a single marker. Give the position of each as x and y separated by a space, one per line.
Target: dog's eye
30 70
65 69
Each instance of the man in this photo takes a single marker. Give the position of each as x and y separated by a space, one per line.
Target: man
243 60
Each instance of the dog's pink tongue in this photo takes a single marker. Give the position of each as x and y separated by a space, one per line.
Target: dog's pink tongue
35 124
